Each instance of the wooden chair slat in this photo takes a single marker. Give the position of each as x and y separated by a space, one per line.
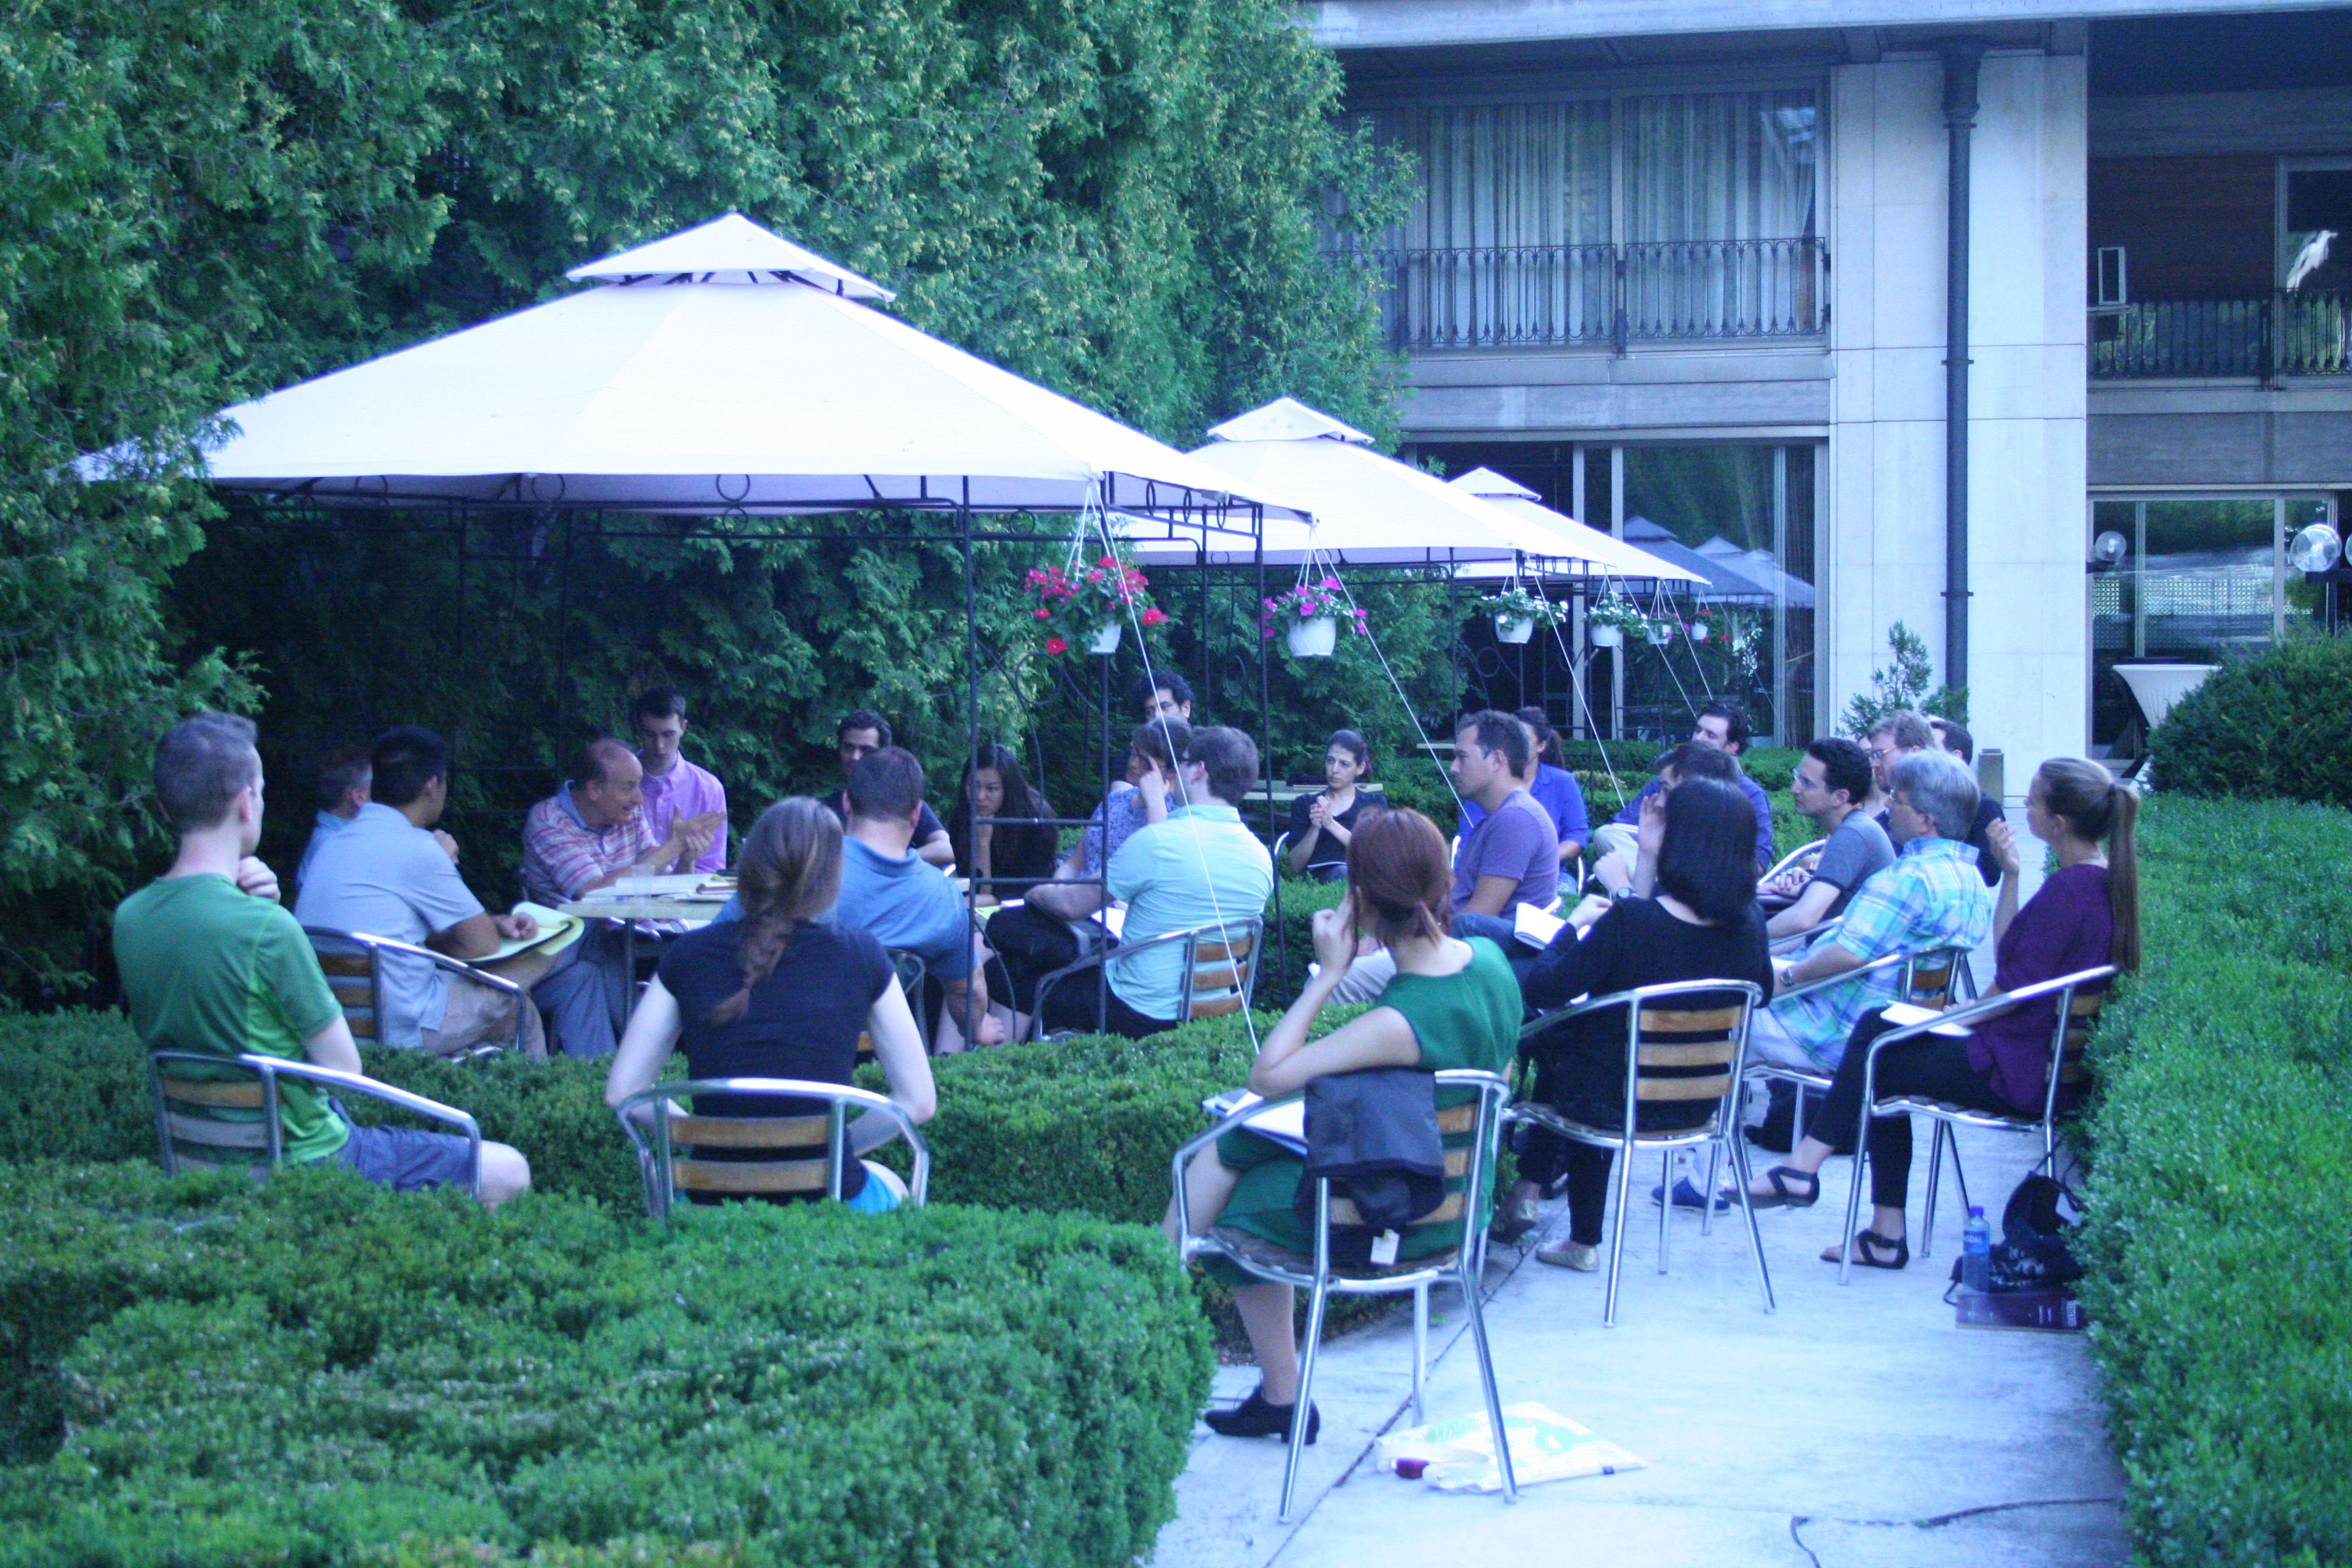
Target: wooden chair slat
748 1176
1688 1021
1215 980
1217 1009
1344 1212
1457 1119
1699 1054
246 1095
1670 1088
208 1133
346 966
750 1131
1238 947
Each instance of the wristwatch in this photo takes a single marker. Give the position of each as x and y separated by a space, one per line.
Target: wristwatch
1617 895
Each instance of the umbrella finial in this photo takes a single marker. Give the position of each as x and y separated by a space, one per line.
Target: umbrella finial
730 248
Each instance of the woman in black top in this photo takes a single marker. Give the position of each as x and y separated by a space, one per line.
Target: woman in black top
1703 925
1322 824
999 841
782 993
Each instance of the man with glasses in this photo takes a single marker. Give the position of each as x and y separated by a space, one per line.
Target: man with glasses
1900 735
1725 728
1833 780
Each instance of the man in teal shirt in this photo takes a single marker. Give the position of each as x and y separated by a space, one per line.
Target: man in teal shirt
1201 866
212 963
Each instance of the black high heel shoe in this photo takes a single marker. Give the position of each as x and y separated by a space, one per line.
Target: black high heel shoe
1254 1417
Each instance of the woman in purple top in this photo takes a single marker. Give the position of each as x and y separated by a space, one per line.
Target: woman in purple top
2085 914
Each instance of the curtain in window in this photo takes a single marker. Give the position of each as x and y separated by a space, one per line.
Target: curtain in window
1719 213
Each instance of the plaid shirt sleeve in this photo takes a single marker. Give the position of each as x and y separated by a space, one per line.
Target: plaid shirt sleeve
559 857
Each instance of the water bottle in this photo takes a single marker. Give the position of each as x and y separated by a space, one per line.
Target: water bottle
1975 1252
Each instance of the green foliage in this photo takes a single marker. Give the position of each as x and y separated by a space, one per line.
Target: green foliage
2222 1154
1903 684
2267 729
412 1381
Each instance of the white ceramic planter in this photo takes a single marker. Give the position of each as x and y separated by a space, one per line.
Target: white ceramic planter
1315 638
1699 634
1514 628
1605 636
1107 640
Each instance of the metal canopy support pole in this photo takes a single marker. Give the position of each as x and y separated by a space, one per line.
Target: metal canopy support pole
1961 59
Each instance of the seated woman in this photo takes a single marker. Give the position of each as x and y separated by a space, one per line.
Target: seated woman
1451 1004
1702 924
2085 914
782 993
996 825
1322 824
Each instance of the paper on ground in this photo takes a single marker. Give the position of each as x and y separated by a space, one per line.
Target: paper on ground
1545 1446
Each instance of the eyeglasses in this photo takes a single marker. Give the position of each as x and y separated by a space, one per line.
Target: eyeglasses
1880 753
1800 782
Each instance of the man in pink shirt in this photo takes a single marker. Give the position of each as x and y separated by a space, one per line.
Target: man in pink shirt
676 791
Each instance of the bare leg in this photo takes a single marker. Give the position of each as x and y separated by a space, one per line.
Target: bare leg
1209 1184
1266 1309
505 1173
1806 1157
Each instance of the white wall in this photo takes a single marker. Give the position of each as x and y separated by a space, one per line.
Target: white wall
1884 559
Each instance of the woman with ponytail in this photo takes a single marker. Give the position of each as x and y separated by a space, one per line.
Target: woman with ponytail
782 993
2085 914
1451 1004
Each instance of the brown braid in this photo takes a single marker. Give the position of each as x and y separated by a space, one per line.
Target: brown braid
789 873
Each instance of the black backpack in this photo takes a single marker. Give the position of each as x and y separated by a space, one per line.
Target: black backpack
2033 1253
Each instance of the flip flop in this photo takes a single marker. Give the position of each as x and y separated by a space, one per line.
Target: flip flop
1868 1247
1783 1196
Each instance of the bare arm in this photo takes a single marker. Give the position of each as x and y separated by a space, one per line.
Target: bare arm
899 1046
1378 1038
1812 907
1492 895
937 849
333 1046
479 936
1831 958
1302 848
2003 842
646 1044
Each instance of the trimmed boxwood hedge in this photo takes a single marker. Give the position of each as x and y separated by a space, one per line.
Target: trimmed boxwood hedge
314 1372
2220 1289
2266 727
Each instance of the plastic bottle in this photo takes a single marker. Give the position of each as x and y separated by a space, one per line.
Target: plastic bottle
1975 1252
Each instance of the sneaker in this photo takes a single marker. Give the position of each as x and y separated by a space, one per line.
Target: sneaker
1512 1221
1686 1196
1571 1255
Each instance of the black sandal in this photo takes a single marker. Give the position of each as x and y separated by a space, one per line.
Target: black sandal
1783 1197
1870 1249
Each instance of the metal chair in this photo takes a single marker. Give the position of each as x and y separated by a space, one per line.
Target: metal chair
806 1152
1220 959
1685 1041
354 962
2078 1007
189 1108
1792 858
1470 1129
1928 979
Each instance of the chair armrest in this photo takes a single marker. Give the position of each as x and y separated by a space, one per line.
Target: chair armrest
360 1083
411 950
848 1096
1884 961
1188 1239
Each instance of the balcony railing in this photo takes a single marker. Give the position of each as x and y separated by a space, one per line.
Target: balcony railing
2308 332
1516 296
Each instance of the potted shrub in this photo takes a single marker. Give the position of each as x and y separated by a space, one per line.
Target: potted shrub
1088 607
1308 616
1517 613
1610 618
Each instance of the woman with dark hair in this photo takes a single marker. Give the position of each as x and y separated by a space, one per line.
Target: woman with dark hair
782 993
1322 824
1451 1004
2085 914
996 825
1702 924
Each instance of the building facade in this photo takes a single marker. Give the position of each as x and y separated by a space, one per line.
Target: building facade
1682 267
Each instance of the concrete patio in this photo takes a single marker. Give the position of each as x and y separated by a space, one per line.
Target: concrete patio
1856 1425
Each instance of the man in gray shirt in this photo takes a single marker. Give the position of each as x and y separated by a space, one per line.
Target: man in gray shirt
1833 780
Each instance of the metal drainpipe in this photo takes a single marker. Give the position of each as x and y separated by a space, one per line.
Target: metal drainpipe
1961 59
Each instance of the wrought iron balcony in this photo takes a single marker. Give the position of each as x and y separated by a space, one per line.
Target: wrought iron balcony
1526 296
2308 332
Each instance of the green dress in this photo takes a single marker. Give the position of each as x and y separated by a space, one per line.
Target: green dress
1466 1019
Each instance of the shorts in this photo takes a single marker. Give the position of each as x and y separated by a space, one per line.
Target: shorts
406 1159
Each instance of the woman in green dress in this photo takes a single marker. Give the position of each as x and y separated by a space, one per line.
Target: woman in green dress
1451 1004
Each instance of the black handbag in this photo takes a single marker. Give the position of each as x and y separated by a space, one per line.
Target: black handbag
2034 1252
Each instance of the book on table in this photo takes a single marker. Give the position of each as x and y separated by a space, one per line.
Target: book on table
556 933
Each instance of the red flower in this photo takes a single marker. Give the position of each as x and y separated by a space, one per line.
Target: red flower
1044 614
1154 616
1055 645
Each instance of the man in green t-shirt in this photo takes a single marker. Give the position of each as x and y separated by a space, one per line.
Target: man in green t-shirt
211 963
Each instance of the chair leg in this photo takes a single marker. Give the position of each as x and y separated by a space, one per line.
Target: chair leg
1617 1235
1299 1411
1935 1169
1796 1117
1747 1212
1419 1349
1666 1207
1852 1214
1706 1213
1487 1377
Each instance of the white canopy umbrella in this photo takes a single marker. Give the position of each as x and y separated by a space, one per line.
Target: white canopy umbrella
722 369
1596 553
1366 508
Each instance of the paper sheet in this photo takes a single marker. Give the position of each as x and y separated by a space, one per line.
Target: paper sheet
1545 1446
556 933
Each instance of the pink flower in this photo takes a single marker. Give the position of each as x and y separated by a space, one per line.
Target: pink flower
1044 614
1055 645
1154 616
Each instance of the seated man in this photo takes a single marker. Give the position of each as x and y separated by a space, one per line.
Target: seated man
906 901
385 876
1626 870
590 833
1052 924
208 966
1198 866
1554 788
1896 736
1930 896
1164 694
1958 742
1511 857
344 783
1831 781
864 731
1725 728
674 789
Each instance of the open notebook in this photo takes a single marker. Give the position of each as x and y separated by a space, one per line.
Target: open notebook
556 933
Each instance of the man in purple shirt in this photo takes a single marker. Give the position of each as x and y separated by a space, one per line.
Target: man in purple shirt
675 790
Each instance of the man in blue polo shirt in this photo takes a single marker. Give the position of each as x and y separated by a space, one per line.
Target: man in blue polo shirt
1725 728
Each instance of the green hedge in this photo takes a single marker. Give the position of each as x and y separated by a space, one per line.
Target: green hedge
2220 1289
204 1373
2267 728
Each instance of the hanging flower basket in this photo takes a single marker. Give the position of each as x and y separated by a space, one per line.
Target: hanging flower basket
1308 616
1514 628
1612 619
1088 607
1517 613
1314 638
1605 635
1699 629
1659 633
